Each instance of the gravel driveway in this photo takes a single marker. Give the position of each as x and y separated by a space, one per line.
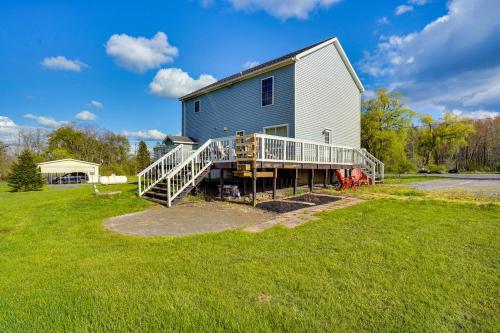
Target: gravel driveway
475 182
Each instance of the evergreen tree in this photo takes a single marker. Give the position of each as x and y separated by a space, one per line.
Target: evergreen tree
25 175
143 158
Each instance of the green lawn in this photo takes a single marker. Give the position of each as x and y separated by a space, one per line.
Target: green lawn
383 265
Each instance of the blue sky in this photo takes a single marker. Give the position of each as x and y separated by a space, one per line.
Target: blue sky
121 65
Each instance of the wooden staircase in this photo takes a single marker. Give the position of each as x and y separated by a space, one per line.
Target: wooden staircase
159 193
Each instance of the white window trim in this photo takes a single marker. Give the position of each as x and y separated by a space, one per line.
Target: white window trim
272 90
194 106
274 126
242 132
330 137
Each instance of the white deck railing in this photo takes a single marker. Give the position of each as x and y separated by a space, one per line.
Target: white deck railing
158 170
181 170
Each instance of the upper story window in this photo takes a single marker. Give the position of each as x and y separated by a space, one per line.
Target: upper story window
327 134
197 106
267 91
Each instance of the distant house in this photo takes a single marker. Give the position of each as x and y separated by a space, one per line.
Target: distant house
313 93
171 142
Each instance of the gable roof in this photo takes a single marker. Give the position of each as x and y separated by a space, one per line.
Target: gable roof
67 160
179 139
277 63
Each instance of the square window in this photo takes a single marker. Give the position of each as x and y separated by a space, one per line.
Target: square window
267 91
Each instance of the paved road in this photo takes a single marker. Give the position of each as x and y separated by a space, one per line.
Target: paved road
473 182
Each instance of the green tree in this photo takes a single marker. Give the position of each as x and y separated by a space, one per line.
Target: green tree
143 158
384 129
439 140
25 175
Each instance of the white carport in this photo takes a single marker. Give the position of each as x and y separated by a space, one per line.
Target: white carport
68 165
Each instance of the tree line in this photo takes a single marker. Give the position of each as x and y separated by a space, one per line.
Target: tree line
407 142
112 151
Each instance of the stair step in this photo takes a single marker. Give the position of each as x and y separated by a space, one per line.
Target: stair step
161 202
155 192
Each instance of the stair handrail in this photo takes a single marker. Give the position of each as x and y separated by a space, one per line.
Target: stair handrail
369 164
144 183
192 177
379 163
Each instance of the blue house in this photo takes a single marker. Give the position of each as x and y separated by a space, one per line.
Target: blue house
284 119
313 93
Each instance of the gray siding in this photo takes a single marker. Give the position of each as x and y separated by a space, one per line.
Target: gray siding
238 107
326 97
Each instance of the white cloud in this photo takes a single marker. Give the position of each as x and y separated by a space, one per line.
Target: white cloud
85 116
174 83
419 2
96 105
152 134
383 20
480 114
62 64
250 63
452 62
140 54
8 130
46 121
283 9
402 9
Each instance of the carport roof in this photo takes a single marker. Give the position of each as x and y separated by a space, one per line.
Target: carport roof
67 160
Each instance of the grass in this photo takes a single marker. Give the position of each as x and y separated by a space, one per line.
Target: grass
389 264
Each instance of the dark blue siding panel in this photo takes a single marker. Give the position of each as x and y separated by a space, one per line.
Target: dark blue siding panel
238 107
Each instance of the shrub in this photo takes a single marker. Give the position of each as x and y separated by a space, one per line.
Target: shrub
25 175
436 168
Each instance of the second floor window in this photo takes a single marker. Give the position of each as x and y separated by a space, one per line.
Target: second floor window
267 91
197 106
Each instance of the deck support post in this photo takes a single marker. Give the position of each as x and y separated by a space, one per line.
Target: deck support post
275 175
311 180
325 178
295 181
254 186
221 183
244 185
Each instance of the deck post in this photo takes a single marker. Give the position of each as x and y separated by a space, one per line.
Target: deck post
169 202
325 178
221 183
244 185
295 180
311 180
275 175
254 186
